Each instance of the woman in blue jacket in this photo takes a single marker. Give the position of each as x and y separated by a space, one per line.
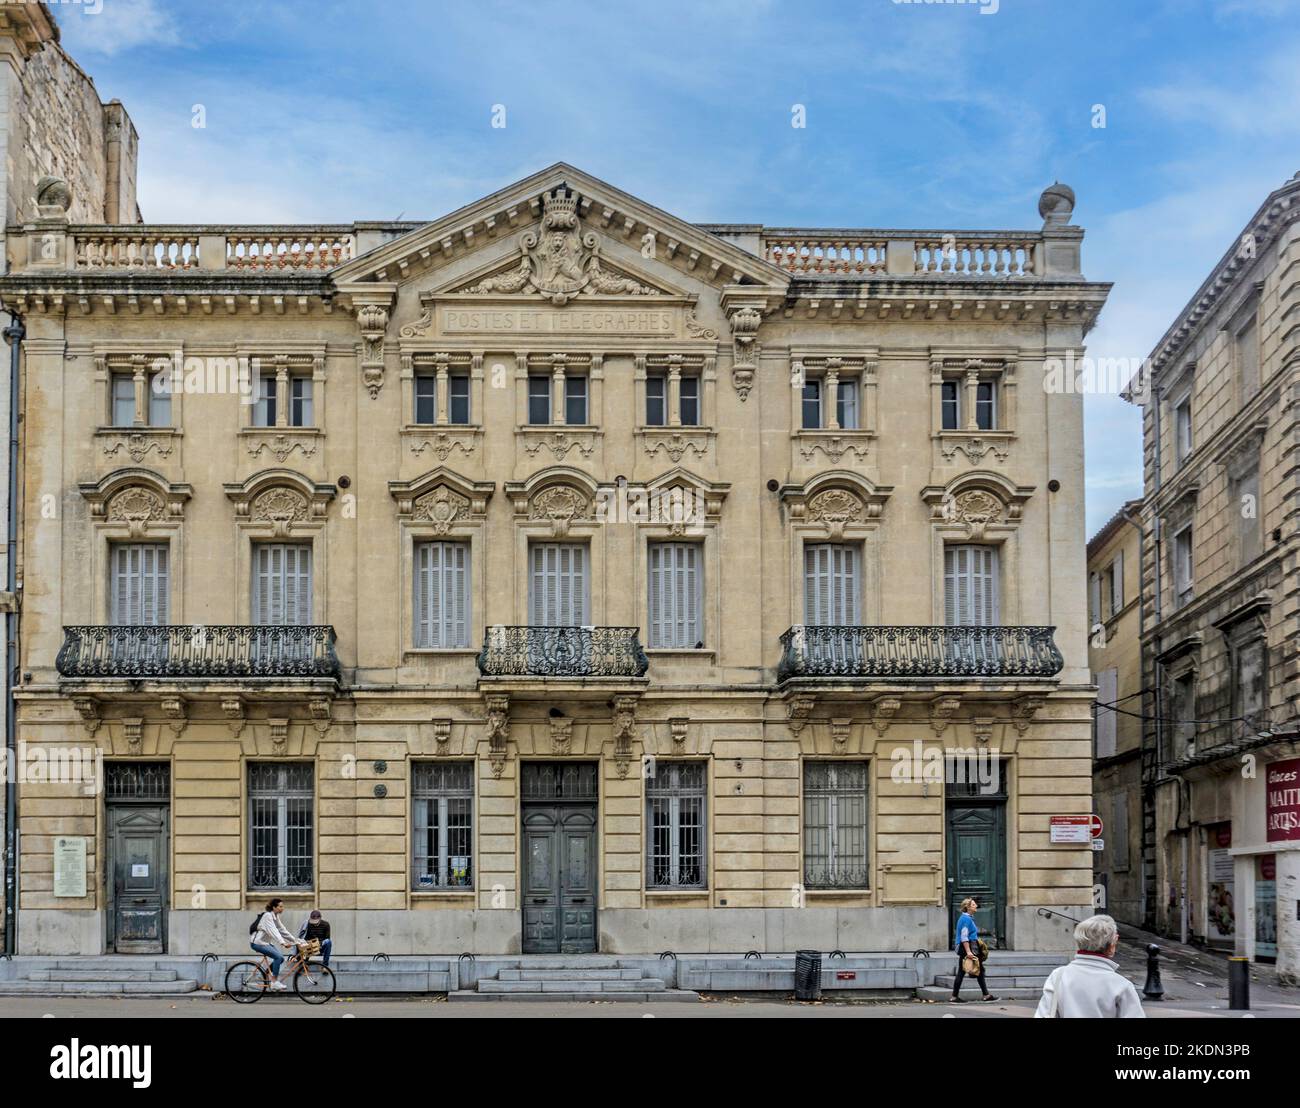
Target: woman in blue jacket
967 943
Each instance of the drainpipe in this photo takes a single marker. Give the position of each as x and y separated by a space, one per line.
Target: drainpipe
14 335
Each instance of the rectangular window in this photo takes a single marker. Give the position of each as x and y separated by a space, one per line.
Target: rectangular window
1116 576
846 404
300 411
160 400
1249 679
1182 567
442 822
458 398
1182 429
1094 599
441 595
675 825
426 398
539 400
1117 839
1247 343
689 402
575 401
557 585
282 592
986 409
970 586
676 589
281 803
1105 718
1245 510
835 825
139 586
812 405
950 397
123 400
830 584
656 401
1182 715
264 411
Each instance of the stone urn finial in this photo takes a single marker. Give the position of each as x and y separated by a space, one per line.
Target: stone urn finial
53 198
1056 205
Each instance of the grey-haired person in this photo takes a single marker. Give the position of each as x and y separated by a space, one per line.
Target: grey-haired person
1090 986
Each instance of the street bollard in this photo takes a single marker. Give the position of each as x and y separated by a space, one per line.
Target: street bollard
1238 984
1153 990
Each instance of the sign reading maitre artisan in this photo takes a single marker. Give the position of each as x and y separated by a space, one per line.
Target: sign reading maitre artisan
1282 803
69 866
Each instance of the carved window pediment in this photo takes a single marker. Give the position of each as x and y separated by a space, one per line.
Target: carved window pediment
837 503
977 504
441 500
280 500
136 499
560 499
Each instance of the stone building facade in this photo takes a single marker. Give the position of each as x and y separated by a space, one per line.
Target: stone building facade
1115 655
558 575
1220 637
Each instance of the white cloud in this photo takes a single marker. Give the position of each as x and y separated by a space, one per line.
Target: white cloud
112 26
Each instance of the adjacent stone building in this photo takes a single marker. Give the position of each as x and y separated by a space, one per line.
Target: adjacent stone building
1221 585
558 575
1115 655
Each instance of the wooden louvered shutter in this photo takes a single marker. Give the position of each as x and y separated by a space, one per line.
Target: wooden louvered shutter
831 585
139 584
970 586
675 592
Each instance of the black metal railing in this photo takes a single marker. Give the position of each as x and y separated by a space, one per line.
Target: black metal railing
562 652
878 651
198 650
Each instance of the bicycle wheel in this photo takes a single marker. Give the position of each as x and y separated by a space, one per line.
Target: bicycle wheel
246 982
315 984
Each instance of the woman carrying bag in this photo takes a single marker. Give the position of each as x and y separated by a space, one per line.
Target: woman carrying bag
970 951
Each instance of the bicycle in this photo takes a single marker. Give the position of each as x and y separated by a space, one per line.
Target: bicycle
247 982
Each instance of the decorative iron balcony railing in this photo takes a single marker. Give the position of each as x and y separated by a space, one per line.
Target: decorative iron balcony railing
810 651
562 652
198 651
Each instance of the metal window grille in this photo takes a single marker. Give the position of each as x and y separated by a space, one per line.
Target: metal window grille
442 795
675 825
835 825
137 781
550 781
281 803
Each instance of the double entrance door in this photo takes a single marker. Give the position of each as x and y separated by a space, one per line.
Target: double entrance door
559 859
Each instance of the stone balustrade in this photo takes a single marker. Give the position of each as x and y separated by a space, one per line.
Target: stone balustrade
841 254
162 249
136 247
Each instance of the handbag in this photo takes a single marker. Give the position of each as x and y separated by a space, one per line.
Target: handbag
311 948
970 965
983 950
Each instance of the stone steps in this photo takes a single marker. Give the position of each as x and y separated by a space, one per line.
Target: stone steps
81 974
97 988
569 984
529 974
667 995
997 981
971 993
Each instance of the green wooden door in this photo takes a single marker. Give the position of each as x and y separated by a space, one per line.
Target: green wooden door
977 866
559 879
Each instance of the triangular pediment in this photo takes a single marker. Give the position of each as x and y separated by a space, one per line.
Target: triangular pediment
564 234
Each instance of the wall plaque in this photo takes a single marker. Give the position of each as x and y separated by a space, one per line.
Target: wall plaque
69 866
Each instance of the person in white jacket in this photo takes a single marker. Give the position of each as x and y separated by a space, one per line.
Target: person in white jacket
270 936
1091 986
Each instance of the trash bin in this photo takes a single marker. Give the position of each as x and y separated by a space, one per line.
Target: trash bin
808 975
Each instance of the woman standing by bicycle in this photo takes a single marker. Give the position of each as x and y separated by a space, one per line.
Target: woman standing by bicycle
268 935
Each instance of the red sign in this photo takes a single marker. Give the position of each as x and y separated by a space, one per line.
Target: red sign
846 975
1096 827
1282 800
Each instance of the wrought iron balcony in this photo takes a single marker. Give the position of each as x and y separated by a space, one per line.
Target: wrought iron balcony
562 652
198 651
885 652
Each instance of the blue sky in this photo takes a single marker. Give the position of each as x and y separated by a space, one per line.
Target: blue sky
918 115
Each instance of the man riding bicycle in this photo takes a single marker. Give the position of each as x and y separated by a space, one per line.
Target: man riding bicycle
268 935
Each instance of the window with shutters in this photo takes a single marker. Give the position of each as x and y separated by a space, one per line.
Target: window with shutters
1115 578
675 825
1249 680
441 595
1117 843
557 585
442 822
139 584
1105 718
835 825
1182 557
1180 724
1244 511
676 582
1094 598
831 587
282 590
281 803
1246 351
1182 411
970 586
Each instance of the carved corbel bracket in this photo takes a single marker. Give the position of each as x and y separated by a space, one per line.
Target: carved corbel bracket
678 728
1024 710
561 735
942 709
279 734
320 714
133 729
373 310
173 709
441 732
87 707
883 711
797 711
745 348
498 732
624 732
233 708
982 727
840 729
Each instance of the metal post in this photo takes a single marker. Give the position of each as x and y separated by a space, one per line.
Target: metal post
1239 984
14 335
1153 989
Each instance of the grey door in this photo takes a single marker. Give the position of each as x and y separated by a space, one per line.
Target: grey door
559 879
137 837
